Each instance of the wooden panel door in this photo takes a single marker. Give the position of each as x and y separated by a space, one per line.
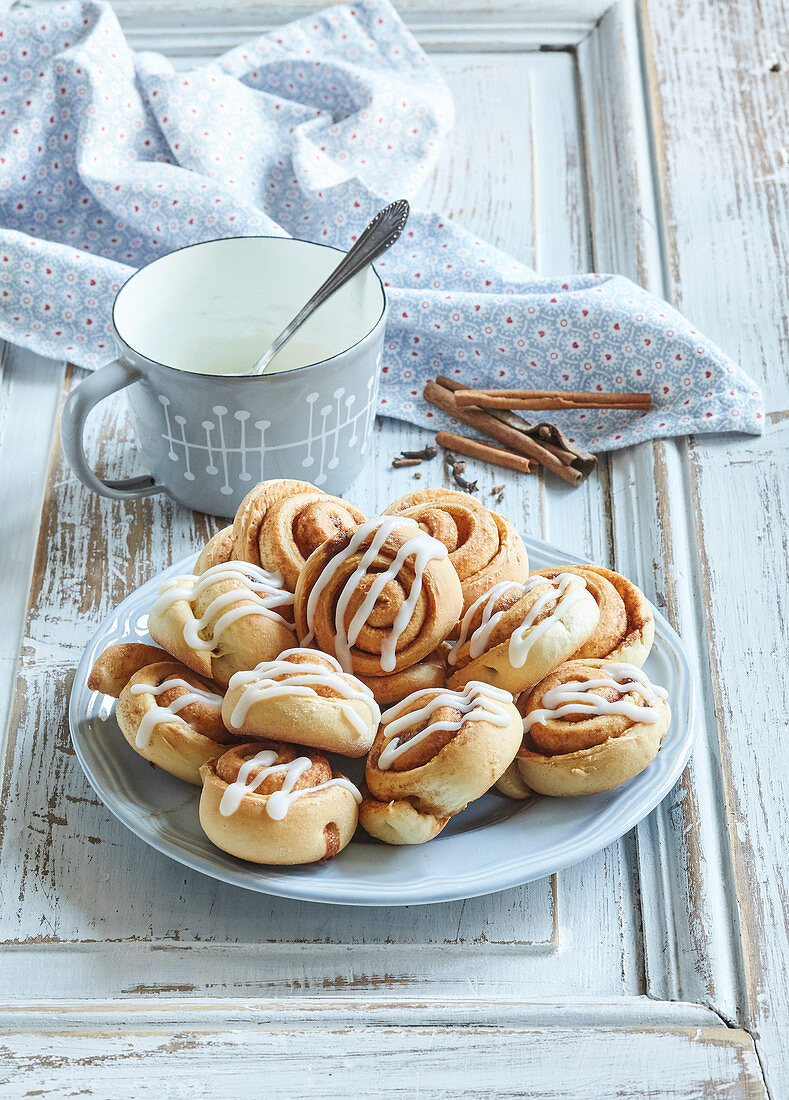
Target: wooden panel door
626 964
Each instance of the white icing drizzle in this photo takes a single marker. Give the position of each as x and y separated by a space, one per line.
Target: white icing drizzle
301 679
577 697
477 702
526 634
278 802
424 549
479 639
259 590
156 714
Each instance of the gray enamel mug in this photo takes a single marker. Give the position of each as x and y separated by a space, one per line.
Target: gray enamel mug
188 323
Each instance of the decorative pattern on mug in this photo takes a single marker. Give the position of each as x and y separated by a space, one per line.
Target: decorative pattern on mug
235 449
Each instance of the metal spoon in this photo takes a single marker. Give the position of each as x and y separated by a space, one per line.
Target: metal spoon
380 234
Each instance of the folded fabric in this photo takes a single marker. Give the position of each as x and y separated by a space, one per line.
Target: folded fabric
110 158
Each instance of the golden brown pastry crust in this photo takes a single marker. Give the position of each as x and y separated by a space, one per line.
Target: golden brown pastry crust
430 673
316 826
484 547
434 614
217 550
316 714
279 523
118 663
581 754
511 784
497 665
180 743
398 822
626 628
447 769
242 644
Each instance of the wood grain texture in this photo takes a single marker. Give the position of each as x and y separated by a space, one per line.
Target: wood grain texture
665 1064
90 907
719 80
551 160
689 921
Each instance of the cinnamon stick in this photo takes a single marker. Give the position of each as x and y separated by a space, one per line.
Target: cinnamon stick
443 398
550 399
551 437
487 452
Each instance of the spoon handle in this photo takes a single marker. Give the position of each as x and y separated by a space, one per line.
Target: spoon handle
380 234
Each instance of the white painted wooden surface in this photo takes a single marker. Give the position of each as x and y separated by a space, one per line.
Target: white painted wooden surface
642 954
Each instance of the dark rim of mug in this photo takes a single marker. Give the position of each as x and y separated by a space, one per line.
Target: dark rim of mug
247 377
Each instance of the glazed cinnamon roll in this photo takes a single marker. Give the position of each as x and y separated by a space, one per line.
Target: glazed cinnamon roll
483 546
229 618
430 673
168 715
277 526
589 726
435 752
626 627
379 599
216 551
271 803
303 697
514 634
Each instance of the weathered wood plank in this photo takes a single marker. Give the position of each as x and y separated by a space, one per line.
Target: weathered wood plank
670 1064
718 79
689 923
29 397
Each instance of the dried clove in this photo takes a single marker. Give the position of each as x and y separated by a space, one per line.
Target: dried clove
398 463
467 486
427 452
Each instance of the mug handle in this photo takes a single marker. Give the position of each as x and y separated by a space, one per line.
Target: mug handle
108 380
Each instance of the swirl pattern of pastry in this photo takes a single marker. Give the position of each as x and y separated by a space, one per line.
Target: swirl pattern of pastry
278 525
380 599
229 618
272 803
435 752
305 697
514 634
589 726
483 546
626 627
167 714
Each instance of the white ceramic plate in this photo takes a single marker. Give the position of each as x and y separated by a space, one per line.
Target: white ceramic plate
494 844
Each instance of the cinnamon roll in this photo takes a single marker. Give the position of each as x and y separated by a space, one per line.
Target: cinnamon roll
217 551
304 697
514 634
590 726
168 715
430 673
483 546
380 599
435 752
228 619
626 627
277 526
280 804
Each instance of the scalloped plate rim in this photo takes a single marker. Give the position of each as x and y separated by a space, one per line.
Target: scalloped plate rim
431 887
